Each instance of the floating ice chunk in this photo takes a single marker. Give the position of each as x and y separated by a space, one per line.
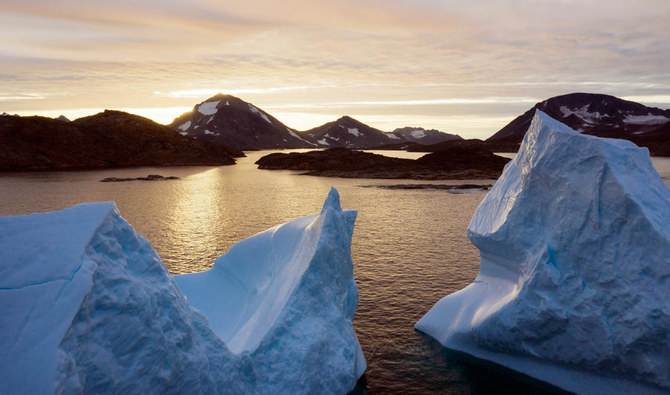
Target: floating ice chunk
285 293
88 307
575 267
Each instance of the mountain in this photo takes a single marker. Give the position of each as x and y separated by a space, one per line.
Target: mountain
107 139
423 136
350 133
593 114
228 120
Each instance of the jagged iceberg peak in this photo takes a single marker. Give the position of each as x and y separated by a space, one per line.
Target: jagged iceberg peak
87 306
575 267
286 297
332 201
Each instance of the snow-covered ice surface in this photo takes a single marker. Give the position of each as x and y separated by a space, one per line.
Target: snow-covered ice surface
208 108
575 267
87 306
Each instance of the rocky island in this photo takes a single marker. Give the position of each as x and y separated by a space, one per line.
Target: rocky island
107 139
454 162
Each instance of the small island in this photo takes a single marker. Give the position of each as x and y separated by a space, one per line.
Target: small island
460 160
150 177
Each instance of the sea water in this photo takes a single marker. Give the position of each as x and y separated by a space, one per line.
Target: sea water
409 247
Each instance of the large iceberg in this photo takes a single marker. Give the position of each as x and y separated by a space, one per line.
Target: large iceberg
286 297
87 306
574 280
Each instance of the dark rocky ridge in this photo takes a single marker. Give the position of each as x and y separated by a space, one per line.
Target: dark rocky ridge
226 119
229 120
348 132
107 139
451 164
594 114
424 136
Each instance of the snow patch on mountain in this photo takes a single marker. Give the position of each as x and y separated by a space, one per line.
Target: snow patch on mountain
185 125
648 119
418 134
208 108
354 131
260 113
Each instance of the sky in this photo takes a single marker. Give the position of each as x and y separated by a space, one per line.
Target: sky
466 67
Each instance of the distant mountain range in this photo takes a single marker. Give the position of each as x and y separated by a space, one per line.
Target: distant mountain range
230 120
107 139
594 114
217 129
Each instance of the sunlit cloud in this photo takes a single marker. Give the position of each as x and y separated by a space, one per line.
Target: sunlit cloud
202 93
649 98
21 97
426 59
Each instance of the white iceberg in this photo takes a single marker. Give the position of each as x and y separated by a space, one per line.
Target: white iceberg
286 297
87 306
574 279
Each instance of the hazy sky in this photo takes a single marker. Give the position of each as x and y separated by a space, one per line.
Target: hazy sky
465 67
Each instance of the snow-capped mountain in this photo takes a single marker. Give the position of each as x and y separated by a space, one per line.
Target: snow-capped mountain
423 136
350 133
229 120
588 113
226 119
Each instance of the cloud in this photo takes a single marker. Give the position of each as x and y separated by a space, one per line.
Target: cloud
432 55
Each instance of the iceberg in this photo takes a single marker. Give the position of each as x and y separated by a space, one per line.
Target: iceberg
286 297
87 306
574 278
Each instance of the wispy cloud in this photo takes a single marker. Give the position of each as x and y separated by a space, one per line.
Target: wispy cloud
449 56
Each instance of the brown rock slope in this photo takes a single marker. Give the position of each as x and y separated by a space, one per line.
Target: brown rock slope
107 139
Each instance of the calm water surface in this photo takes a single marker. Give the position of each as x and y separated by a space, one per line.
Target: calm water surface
409 248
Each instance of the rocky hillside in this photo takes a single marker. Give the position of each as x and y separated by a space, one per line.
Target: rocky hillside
229 120
424 136
350 133
108 139
594 114
225 119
